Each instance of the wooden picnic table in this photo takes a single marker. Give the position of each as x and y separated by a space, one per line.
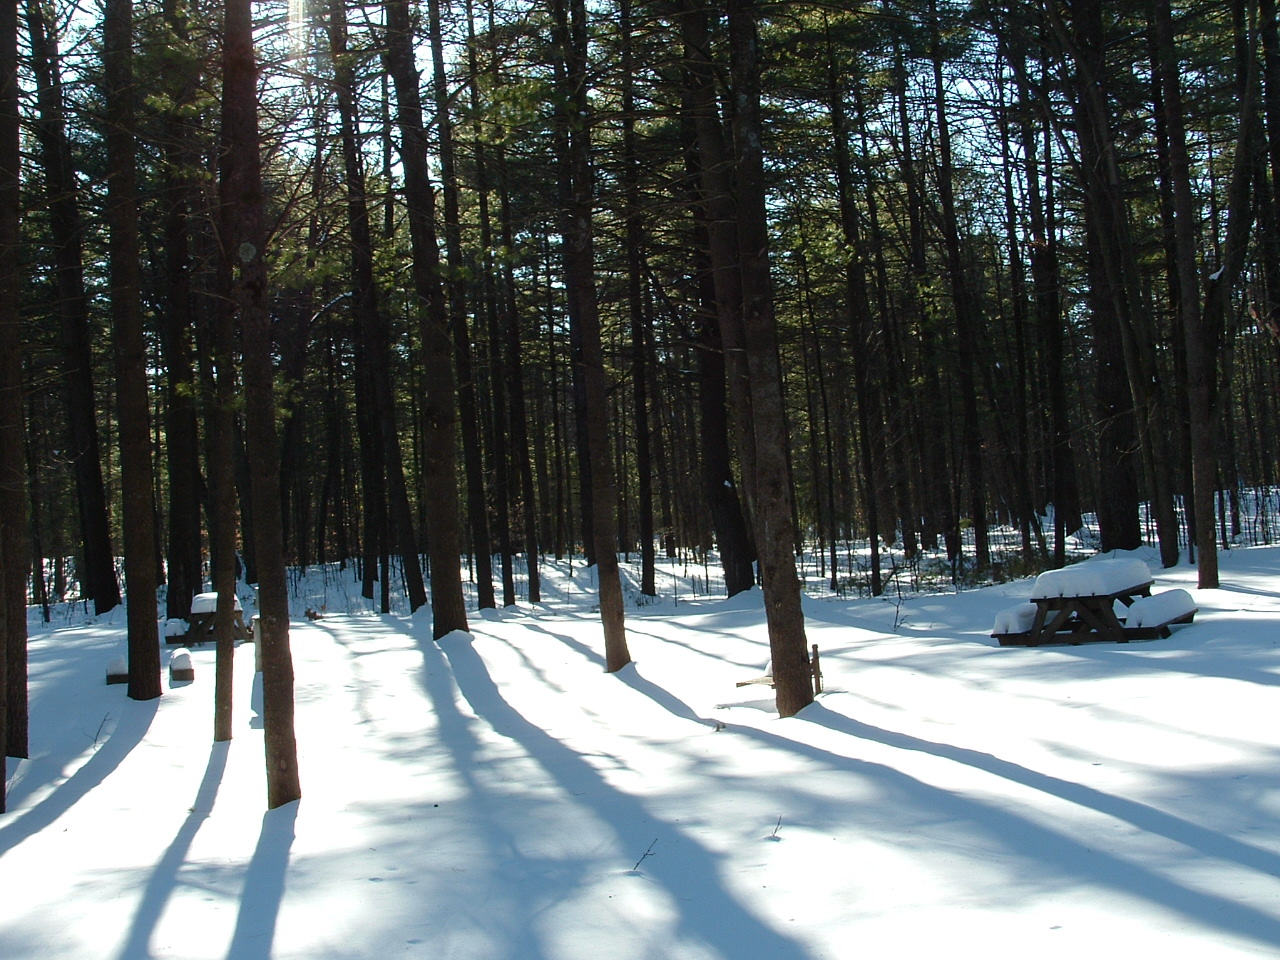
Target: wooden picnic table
200 623
1078 605
1079 619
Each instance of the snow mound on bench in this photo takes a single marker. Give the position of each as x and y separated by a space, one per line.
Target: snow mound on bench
1093 578
1015 619
1160 608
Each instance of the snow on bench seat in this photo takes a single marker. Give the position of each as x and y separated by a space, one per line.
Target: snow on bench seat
1160 609
1093 578
1017 619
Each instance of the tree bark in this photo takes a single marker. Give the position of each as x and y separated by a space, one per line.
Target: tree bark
98 576
371 322
13 635
773 523
244 238
636 309
584 316
444 541
125 260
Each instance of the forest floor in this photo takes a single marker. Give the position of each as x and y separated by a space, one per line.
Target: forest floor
497 796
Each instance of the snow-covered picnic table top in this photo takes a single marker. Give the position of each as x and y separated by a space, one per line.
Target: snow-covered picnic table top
208 603
1093 578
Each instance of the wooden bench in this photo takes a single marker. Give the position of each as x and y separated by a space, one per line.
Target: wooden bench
1078 605
815 673
1152 618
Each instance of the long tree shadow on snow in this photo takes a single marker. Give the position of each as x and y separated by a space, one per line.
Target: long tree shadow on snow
1057 852
128 732
263 891
1140 815
718 920
164 875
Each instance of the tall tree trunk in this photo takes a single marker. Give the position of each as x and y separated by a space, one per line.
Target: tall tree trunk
1117 300
371 322
861 324
468 409
717 208
636 309
98 577
220 381
967 325
1204 341
1046 284
130 353
13 635
720 302
580 290
244 238
519 421
773 523
184 570
929 413
444 540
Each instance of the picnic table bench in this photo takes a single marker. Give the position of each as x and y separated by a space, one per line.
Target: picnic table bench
1077 604
200 626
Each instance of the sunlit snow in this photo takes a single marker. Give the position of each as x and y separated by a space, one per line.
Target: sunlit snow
497 796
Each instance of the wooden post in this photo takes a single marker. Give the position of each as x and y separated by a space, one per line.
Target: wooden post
816 667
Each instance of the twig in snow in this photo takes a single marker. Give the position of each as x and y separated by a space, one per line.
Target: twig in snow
647 853
99 733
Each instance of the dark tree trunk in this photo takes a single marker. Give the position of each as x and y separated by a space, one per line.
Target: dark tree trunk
636 310
130 353
98 576
1130 349
220 382
371 322
584 316
967 325
716 206
1046 284
1205 341
520 446
468 408
448 608
184 557
861 326
773 518
244 239
13 635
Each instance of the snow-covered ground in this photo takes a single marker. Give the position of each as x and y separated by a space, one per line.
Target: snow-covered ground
497 796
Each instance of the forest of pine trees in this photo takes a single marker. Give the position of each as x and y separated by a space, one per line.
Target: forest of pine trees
514 278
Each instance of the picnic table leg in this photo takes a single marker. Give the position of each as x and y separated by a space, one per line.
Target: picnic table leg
1101 617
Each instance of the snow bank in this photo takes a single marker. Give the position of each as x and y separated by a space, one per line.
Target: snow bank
1160 608
1093 578
1015 619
